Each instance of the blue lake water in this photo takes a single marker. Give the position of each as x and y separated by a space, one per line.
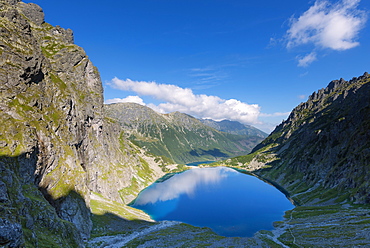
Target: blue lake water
231 203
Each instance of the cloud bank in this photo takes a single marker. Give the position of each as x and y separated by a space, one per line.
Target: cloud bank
185 101
327 26
134 99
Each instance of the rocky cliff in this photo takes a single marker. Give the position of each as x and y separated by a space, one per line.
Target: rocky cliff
178 136
59 156
321 153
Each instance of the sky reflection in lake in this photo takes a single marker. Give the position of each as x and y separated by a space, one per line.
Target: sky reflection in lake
229 202
184 183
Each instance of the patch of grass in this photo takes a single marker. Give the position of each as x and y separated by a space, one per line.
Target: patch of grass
136 242
103 206
52 48
312 211
270 243
56 80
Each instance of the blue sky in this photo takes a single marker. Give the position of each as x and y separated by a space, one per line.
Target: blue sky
250 61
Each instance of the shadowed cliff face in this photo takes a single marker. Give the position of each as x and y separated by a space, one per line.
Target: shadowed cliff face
53 125
26 216
32 217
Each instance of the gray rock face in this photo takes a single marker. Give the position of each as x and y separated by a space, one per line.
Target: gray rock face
33 12
66 35
75 211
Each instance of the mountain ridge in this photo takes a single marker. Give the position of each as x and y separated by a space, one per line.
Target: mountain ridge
324 144
234 127
178 136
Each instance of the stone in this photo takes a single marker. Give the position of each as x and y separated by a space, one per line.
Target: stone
3 192
33 12
12 2
11 234
73 209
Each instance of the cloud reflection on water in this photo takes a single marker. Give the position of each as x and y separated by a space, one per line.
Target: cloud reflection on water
183 183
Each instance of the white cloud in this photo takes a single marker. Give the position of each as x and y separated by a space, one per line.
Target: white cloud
307 60
135 99
334 26
327 26
185 101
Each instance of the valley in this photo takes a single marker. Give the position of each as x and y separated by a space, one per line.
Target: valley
70 164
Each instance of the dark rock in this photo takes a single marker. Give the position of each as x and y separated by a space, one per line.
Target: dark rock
3 192
73 208
11 234
12 2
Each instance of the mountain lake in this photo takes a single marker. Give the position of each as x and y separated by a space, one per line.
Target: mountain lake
231 203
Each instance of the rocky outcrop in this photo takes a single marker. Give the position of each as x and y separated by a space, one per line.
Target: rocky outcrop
178 136
33 12
56 145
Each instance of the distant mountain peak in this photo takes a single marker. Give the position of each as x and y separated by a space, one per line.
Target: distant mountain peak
234 127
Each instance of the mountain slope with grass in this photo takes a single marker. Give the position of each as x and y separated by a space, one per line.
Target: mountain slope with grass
178 136
321 153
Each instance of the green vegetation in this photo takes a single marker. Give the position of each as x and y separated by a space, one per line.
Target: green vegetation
177 136
21 108
263 155
57 81
322 226
100 206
